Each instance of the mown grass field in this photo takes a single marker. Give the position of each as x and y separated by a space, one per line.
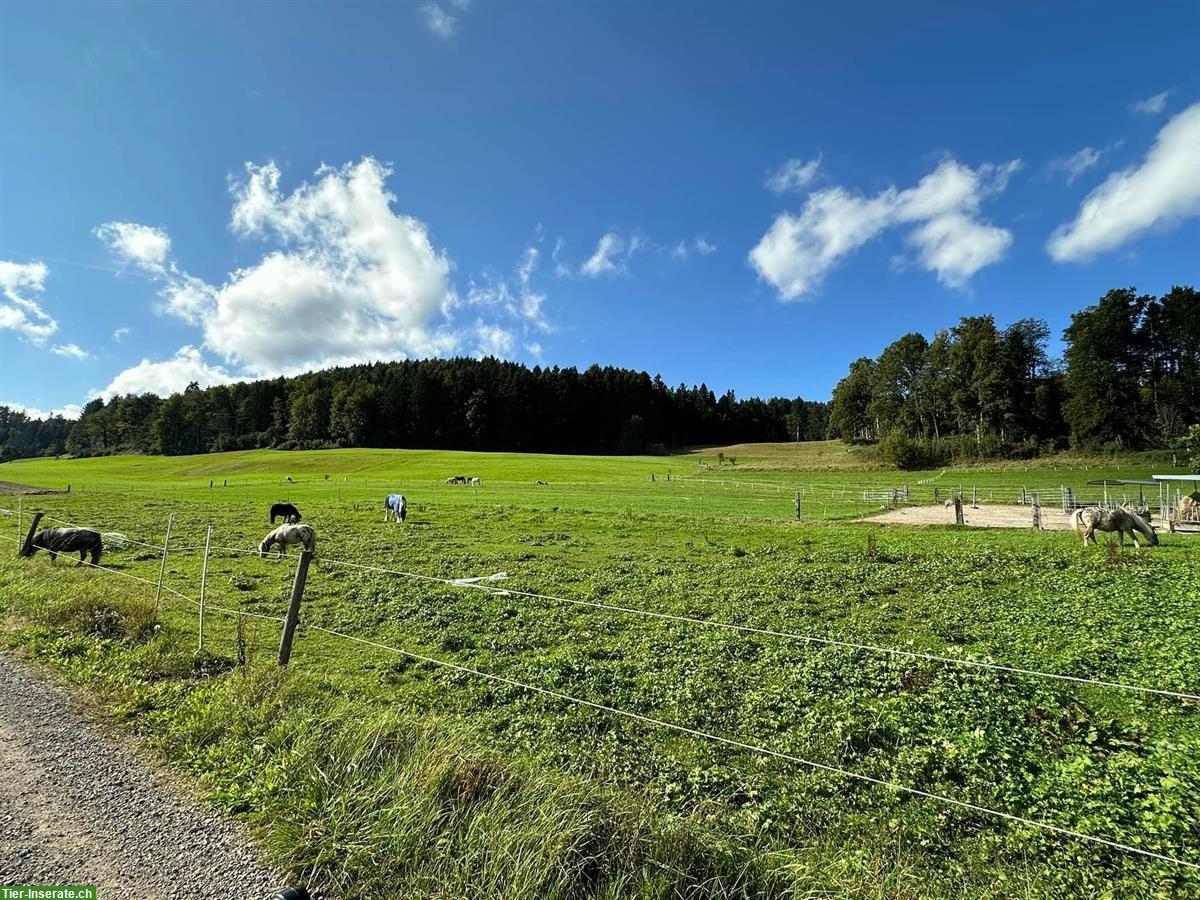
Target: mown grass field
376 775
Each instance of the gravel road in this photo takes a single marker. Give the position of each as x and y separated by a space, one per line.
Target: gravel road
79 805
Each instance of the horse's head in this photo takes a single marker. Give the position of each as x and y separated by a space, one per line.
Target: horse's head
265 546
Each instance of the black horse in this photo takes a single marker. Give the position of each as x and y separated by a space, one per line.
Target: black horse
289 512
69 540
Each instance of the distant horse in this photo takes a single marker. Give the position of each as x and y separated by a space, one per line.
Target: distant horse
289 512
457 479
1087 521
474 480
1189 508
69 540
397 506
286 535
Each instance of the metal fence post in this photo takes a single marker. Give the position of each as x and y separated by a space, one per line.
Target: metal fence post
204 587
162 566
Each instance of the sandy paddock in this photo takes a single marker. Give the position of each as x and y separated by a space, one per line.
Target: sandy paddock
983 516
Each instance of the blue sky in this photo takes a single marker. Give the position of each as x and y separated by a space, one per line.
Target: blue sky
748 195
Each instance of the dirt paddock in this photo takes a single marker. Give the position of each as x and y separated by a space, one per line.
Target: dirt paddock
11 487
983 516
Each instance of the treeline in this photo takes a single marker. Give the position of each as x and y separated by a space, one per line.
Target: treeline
1129 379
21 436
456 404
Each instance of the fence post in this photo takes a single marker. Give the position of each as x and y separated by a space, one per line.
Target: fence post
797 506
27 546
1037 511
936 499
293 613
162 566
958 510
203 587
20 516
974 495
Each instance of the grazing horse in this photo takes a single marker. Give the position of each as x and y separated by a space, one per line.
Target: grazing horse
474 480
1087 521
395 505
457 479
290 513
286 535
69 540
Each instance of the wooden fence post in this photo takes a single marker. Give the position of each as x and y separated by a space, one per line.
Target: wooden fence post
958 510
293 613
974 496
1037 511
27 546
204 587
20 513
162 566
797 506
936 499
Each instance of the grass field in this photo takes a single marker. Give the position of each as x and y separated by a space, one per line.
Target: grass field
375 774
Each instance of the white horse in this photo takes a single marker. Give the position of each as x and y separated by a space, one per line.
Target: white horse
1087 521
286 535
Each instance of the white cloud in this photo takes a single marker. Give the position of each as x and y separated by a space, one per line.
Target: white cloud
492 340
1162 191
519 299
346 279
1076 164
561 269
141 245
119 334
69 411
793 175
440 22
19 312
71 351
682 250
1152 105
950 239
606 260
167 376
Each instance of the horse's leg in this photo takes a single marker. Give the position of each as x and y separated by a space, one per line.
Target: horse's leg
82 557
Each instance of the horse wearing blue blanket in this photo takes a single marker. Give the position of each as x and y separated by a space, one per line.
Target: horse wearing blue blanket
395 505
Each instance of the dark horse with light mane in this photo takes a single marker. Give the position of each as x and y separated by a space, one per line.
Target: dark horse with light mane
69 540
289 512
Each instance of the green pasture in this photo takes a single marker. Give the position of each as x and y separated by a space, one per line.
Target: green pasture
365 769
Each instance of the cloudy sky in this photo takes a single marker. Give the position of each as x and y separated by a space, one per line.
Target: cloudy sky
746 195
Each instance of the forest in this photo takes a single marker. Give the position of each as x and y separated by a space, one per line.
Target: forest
452 404
1128 379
